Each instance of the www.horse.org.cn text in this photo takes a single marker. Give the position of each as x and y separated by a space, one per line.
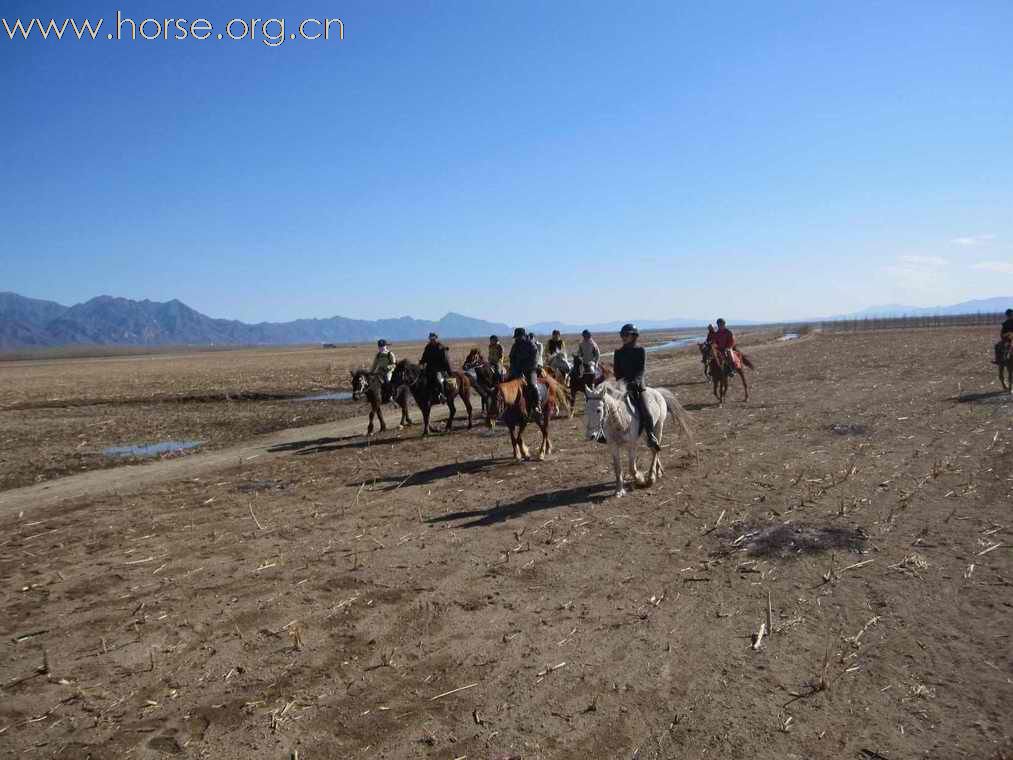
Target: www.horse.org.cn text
271 32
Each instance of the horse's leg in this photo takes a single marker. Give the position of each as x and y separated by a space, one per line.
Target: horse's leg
544 427
453 410
617 465
514 442
425 409
638 477
745 385
369 430
466 398
379 413
525 452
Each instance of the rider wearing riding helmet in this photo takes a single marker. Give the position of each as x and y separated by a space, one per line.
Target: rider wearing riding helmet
383 365
1005 336
436 362
523 365
630 364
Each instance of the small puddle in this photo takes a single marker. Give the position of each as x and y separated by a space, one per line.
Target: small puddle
151 449
676 343
335 396
789 336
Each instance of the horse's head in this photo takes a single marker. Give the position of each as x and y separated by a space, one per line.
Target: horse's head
594 414
358 383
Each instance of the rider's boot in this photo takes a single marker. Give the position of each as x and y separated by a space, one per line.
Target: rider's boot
647 422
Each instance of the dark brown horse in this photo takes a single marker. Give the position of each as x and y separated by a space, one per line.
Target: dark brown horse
705 354
1006 364
721 368
511 407
486 377
370 386
580 381
413 379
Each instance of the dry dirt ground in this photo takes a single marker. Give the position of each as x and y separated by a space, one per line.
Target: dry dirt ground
412 598
58 415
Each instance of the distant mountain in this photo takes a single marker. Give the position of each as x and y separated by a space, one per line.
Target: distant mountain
105 320
23 320
981 305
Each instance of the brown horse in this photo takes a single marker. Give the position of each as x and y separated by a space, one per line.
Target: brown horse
486 377
1006 364
721 368
580 382
511 406
705 354
411 377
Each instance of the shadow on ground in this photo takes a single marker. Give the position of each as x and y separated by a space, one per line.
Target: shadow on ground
535 503
322 445
440 472
987 397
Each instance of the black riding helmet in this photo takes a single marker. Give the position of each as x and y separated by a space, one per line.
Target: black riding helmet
381 343
628 329
1009 312
494 339
586 333
519 333
433 336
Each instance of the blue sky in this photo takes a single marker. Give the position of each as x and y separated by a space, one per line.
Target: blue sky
516 161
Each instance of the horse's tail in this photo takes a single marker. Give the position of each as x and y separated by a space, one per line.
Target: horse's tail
747 361
558 393
679 414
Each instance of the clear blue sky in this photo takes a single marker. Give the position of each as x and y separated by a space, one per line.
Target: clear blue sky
517 161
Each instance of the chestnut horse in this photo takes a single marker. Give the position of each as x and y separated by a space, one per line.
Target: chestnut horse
411 377
511 406
721 368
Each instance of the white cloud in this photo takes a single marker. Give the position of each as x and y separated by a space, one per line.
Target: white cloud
918 274
999 267
972 240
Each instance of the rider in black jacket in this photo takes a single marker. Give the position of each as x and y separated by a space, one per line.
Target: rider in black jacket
523 359
630 364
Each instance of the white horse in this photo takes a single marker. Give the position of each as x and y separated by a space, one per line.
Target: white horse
561 364
611 413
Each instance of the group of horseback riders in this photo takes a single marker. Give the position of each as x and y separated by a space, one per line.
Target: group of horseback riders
526 361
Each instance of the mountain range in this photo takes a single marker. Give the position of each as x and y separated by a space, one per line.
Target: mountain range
106 320
979 306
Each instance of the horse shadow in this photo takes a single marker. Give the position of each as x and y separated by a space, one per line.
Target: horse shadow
696 407
534 503
987 396
440 472
323 445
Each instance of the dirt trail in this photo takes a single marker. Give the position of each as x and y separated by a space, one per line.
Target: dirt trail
132 477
